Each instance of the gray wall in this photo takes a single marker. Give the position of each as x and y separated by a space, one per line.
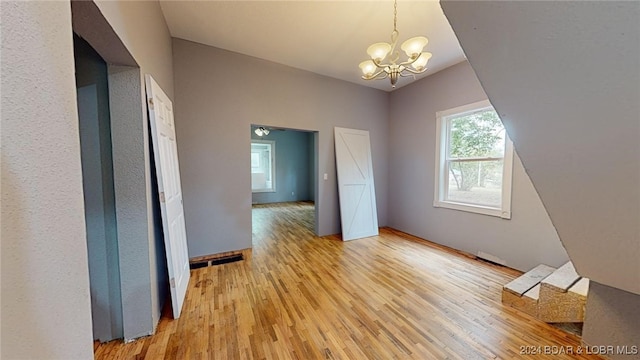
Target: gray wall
140 26
525 241
219 94
135 236
45 308
293 168
576 128
98 188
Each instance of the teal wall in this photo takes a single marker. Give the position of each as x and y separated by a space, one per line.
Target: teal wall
98 188
294 170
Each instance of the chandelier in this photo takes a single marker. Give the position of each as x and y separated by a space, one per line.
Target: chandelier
416 62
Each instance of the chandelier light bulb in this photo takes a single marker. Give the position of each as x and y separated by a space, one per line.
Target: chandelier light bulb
421 61
379 51
368 67
413 47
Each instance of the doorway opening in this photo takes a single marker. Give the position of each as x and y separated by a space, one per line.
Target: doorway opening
99 192
141 261
284 171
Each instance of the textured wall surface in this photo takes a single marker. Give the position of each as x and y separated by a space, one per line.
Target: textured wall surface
98 188
612 319
575 128
46 310
141 27
130 159
219 94
293 168
525 241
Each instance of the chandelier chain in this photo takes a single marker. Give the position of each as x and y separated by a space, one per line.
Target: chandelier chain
395 15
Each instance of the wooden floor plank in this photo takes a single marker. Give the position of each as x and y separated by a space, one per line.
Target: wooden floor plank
299 296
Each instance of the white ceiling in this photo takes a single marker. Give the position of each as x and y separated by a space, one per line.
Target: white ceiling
324 37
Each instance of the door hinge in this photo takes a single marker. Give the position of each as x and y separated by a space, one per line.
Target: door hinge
173 282
162 199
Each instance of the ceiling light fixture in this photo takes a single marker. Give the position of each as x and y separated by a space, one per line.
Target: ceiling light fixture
376 69
261 131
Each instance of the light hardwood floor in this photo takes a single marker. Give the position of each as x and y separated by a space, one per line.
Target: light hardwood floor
299 296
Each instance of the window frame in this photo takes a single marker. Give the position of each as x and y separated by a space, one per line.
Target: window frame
442 165
272 143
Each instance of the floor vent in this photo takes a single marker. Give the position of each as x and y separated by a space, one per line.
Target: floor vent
490 258
218 261
198 265
227 259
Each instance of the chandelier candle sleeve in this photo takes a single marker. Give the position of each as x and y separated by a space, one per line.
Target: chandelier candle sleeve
421 62
368 67
376 68
413 47
379 51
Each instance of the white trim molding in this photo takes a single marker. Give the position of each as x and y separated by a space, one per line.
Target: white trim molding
441 188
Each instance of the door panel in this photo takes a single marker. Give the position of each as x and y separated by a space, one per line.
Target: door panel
356 189
166 155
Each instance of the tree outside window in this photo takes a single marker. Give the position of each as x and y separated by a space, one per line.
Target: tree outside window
474 161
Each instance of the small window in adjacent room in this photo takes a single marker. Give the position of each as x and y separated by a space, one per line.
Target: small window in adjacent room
474 157
263 176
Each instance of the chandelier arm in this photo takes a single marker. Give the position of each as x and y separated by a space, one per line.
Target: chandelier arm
410 60
376 75
403 74
415 71
379 64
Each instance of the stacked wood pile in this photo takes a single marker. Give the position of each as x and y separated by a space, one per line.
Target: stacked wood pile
549 294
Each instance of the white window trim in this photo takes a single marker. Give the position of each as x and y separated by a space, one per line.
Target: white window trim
273 166
441 167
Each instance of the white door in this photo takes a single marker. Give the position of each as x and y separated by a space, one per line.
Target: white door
166 158
355 184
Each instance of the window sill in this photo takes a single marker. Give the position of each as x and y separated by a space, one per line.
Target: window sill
478 209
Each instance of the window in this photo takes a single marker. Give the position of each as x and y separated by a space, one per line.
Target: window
474 157
263 159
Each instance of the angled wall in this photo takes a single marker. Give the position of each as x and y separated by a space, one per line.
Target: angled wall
565 79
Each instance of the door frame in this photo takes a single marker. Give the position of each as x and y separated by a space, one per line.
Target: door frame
315 165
